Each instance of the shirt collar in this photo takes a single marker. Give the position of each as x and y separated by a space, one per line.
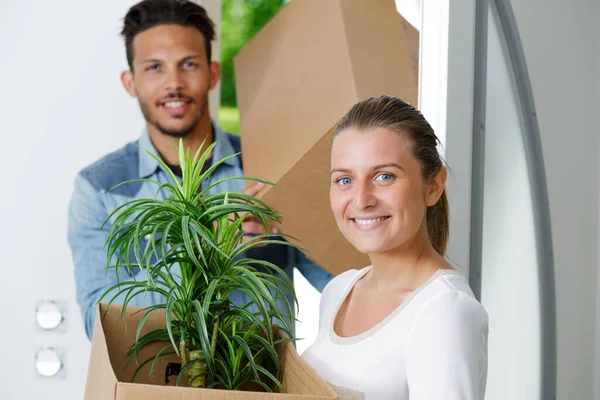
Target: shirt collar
223 147
148 165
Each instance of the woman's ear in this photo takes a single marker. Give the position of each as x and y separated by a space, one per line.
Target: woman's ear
436 187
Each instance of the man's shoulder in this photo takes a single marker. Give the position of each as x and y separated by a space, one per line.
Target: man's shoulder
113 168
235 142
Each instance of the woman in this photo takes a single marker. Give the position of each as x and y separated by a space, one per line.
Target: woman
407 327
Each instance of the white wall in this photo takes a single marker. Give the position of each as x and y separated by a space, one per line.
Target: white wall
509 264
307 326
559 40
458 129
62 107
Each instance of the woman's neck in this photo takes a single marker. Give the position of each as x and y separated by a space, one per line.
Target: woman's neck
405 268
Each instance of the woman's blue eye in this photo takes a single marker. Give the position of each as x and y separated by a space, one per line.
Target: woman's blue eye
344 181
385 177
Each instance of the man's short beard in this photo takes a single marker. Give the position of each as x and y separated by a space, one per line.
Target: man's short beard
181 133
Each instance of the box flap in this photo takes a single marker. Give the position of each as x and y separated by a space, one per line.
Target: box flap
119 339
379 50
291 82
101 381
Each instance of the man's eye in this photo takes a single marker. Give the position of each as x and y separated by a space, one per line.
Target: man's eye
152 67
189 64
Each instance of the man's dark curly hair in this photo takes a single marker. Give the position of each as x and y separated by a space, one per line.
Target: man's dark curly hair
150 13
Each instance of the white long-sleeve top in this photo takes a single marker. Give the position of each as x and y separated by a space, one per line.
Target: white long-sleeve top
432 347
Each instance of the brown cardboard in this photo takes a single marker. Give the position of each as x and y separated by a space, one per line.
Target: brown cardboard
110 379
295 80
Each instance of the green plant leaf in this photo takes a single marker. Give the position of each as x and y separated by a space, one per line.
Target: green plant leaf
193 257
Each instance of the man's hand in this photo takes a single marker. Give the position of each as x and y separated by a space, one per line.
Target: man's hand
252 226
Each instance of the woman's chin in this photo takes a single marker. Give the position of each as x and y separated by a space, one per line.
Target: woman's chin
369 248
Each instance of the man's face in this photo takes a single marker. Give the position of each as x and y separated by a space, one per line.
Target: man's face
171 78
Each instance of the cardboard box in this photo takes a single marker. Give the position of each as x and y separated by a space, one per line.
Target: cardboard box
110 379
295 80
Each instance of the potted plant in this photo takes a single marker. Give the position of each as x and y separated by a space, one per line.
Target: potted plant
191 245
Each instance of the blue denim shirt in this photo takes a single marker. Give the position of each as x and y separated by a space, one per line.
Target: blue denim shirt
91 204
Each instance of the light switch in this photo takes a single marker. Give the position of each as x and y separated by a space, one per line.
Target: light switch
50 315
50 362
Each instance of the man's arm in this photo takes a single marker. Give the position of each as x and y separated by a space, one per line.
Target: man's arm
317 276
87 213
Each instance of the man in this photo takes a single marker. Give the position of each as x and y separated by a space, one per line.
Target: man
168 45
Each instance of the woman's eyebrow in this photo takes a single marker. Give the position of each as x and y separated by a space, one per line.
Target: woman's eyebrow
346 171
374 168
386 165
